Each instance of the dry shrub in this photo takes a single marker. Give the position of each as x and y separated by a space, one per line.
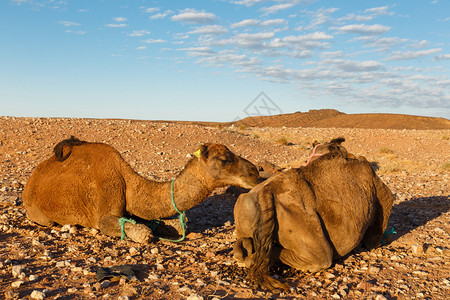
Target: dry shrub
283 141
386 150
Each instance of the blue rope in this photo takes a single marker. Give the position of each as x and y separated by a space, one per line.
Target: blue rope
122 222
386 235
181 217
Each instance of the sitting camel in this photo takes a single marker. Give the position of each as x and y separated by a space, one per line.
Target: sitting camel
91 185
307 217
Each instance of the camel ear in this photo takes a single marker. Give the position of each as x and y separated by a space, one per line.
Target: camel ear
338 140
202 152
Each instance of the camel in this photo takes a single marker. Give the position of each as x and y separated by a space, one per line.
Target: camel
91 185
306 217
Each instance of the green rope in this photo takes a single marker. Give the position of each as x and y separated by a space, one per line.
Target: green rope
122 222
181 217
386 235
154 225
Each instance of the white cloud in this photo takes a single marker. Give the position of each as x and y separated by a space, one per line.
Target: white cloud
383 10
398 55
442 57
118 25
68 23
139 33
154 41
356 18
321 16
359 66
286 4
210 29
307 41
151 10
363 29
78 32
277 7
420 44
198 51
253 40
243 2
161 15
193 16
273 22
120 19
255 22
141 48
245 23
384 43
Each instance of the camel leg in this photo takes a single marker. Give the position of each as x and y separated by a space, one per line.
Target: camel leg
139 233
35 214
243 250
303 244
306 261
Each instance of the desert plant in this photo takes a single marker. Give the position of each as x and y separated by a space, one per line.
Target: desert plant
283 141
386 150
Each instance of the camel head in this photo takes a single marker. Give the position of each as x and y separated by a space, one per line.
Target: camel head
321 149
223 167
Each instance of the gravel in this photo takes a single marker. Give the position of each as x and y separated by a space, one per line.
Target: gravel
61 262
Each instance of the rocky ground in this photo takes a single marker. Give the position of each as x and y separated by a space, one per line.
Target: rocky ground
61 262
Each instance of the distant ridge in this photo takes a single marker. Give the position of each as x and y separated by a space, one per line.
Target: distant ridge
331 118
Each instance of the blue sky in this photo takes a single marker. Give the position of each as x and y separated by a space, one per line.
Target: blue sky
209 60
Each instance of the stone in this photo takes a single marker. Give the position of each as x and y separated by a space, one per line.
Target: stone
194 297
97 286
17 283
65 228
416 249
17 270
38 295
11 295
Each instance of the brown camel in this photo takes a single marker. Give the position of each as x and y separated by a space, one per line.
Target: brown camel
91 185
307 217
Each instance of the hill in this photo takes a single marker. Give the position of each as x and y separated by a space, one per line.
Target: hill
330 118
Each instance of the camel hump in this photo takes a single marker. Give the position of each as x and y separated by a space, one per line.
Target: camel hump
64 148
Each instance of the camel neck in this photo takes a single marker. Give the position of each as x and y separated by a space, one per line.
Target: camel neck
152 200
190 187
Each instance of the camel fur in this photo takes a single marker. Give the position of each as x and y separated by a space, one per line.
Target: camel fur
91 185
308 216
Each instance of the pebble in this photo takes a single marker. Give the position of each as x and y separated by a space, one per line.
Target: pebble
17 270
38 295
105 283
416 249
17 283
97 286
11 295
194 297
65 228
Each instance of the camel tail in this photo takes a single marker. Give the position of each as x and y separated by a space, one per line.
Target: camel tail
263 238
62 146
